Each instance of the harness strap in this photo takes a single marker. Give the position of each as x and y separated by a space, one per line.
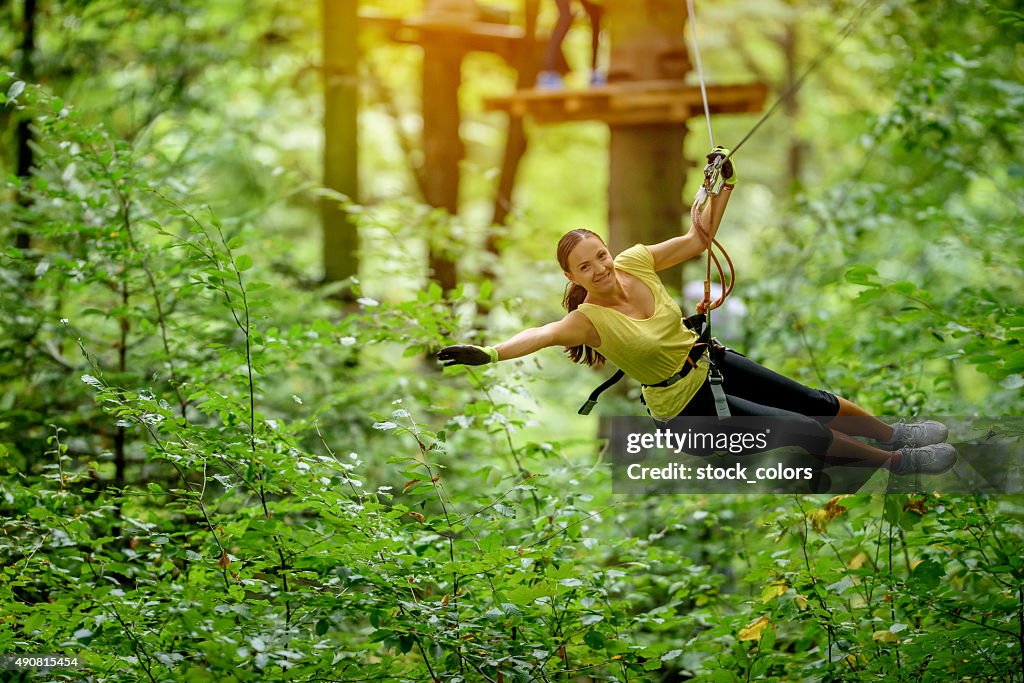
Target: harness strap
698 323
607 384
721 404
696 353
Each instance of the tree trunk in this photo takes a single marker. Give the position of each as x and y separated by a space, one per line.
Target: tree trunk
23 133
341 171
515 142
442 150
646 179
794 155
646 162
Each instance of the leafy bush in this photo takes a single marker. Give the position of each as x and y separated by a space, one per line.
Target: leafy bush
215 472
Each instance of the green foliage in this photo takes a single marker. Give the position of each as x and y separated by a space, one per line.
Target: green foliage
214 472
907 267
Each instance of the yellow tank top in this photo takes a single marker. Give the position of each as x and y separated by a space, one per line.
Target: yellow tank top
653 349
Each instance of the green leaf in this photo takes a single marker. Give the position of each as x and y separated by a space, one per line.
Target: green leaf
16 89
594 639
892 509
486 288
904 287
927 574
322 627
510 610
869 295
841 585
504 510
1015 362
861 275
243 263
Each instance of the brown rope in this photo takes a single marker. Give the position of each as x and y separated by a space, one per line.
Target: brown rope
707 305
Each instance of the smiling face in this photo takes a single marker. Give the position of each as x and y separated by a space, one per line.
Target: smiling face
590 265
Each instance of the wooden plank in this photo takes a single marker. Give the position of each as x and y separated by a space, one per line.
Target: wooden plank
475 28
507 41
639 102
441 24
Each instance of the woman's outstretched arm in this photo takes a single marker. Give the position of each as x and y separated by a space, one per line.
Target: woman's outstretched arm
572 330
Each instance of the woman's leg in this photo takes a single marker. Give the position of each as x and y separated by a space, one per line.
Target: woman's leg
753 382
855 421
594 13
558 34
761 385
846 450
927 452
833 447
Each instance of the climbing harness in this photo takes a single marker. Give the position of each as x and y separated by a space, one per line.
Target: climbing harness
701 349
711 185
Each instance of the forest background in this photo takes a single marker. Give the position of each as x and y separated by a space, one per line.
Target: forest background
219 467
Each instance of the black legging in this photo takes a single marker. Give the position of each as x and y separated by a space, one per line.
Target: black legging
562 28
753 390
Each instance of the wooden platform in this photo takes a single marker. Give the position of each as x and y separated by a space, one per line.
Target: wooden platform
505 40
632 103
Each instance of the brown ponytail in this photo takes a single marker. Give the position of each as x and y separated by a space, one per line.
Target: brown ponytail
575 294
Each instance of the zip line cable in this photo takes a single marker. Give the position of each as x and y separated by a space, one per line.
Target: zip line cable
704 194
700 200
700 70
822 55
706 189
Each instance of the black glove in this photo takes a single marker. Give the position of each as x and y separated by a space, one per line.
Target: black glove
728 172
464 354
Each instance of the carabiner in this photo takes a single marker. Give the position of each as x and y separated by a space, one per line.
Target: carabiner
713 173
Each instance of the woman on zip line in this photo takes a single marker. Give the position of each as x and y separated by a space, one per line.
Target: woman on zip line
619 309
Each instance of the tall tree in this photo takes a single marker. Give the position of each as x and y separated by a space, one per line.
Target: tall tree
341 101
442 145
23 133
646 161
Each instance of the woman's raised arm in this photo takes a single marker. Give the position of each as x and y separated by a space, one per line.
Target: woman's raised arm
676 250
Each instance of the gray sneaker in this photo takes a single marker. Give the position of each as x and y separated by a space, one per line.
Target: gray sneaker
933 459
915 435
